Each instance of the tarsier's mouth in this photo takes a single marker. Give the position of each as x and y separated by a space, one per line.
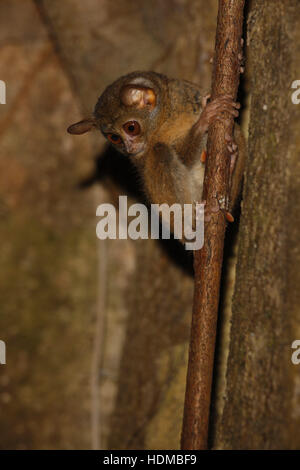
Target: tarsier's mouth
137 154
136 151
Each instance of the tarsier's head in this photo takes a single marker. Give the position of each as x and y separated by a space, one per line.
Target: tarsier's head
127 113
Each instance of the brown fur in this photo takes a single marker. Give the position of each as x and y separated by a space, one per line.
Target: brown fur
173 133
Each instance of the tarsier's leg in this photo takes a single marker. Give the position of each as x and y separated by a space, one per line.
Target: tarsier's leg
211 112
173 174
237 148
174 177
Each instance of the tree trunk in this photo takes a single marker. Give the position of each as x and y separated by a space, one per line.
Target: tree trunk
262 406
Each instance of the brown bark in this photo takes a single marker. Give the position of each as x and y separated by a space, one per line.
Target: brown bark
262 407
208 260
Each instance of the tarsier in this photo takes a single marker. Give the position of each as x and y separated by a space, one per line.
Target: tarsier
161 124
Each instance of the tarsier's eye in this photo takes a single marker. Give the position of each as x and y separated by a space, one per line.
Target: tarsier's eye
132 127
114 138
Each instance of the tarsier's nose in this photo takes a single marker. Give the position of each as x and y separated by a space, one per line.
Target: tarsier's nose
129 146
132 147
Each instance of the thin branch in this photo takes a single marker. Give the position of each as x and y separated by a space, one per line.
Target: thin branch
208 260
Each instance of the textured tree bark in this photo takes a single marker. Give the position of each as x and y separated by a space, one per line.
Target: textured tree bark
208 260
149 296
262 407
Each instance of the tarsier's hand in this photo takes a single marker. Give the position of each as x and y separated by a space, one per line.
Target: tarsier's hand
213 110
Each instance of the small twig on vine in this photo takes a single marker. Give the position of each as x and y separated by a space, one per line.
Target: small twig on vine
208 260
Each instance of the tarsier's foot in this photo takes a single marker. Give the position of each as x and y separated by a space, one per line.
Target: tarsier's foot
233 149
241 62
241 58
203 156
213 111
229 216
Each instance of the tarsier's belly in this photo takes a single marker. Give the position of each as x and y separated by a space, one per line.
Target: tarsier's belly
184 188
167 189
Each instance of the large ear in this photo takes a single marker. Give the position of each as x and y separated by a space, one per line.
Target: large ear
82 126
137 96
